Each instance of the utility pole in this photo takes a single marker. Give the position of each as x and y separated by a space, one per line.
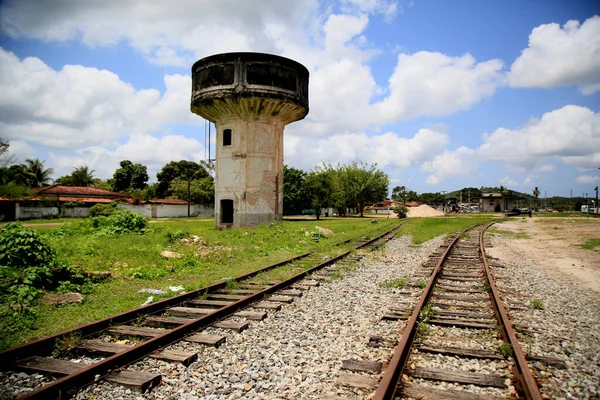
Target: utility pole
545 201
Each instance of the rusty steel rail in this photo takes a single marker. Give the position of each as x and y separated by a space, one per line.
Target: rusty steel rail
67 385
521 368
387 386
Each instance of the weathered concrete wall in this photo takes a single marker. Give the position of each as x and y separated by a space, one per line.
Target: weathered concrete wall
254 95
250 170
160 211
170 210
35 212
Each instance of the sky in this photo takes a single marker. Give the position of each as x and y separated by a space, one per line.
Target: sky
439 94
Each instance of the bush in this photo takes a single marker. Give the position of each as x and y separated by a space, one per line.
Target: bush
103 209
119 222
23 248
401 211
28 265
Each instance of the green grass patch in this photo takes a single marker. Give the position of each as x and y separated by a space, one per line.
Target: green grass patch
424 229
591 244
135 262
398 283
537 304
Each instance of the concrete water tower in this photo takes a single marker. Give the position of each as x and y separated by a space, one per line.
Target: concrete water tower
250 97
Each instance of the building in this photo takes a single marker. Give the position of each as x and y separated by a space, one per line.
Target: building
75 201
250 97
498 202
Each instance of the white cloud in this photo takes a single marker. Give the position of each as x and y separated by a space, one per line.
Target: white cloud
571 134
589 179
427 83
387 150
507 181
332 46
547 168
173 33
561 57
460 162
150 151
80 106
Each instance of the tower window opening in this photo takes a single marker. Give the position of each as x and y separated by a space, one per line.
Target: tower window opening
227 211
227 137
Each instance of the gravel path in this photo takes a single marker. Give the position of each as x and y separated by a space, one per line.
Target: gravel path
566 323
295 353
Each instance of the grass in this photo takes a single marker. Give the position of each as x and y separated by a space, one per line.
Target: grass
537 304
591 244
398 283
505 350
135 261
424 229
515 235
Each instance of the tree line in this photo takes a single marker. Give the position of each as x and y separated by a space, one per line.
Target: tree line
19 179
343 187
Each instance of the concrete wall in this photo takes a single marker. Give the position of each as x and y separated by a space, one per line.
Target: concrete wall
250 171
147 210
35 212
170 210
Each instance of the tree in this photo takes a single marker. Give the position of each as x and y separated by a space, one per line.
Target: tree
364 184
6 158
536 193
399 193
202 191
293 191
81 176
129 177
179 169
318 187
38 175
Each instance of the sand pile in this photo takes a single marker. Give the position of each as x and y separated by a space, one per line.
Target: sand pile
423 211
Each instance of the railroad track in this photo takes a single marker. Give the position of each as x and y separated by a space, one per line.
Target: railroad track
158 325
458 318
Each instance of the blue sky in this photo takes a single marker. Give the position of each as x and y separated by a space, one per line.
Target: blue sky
441 95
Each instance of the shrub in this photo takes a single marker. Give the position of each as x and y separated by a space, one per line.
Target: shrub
119 222
103 209
401 211
28 264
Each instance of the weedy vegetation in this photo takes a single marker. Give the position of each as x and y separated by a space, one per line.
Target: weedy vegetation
505 350
398 283
537 304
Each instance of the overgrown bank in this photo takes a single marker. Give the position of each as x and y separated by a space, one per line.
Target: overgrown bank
200 256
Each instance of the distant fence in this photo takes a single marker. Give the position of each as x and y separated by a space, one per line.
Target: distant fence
147 210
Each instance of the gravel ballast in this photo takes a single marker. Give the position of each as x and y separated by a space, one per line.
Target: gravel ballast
562 319
296 352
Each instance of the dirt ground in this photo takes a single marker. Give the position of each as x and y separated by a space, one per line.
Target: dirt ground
552 244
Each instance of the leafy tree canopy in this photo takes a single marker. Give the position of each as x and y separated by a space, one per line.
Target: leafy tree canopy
38 175
293 190
182 169
129 177
202 191
81 176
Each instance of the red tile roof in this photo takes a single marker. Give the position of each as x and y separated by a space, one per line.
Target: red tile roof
78 191
168 201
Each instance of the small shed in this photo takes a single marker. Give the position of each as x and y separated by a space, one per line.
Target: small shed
498 202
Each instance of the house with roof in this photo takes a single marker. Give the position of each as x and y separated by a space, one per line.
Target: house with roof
498 202
75 201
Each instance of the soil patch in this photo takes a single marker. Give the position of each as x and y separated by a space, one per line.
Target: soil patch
553 245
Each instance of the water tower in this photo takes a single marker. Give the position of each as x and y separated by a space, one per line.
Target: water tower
250 97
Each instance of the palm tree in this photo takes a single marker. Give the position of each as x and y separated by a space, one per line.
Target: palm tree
38 176
536 193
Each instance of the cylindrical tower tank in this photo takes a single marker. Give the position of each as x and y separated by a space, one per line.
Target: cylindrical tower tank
250 97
